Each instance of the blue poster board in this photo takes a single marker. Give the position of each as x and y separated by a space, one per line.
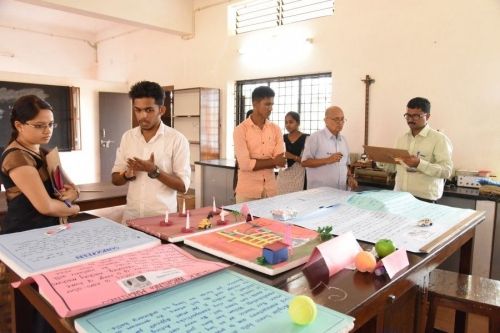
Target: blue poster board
224 301
34 251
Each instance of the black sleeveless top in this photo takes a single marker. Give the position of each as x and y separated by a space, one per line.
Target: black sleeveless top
21 214
296 147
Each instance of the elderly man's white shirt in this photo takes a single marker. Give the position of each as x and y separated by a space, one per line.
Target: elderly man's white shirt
147 196
323 144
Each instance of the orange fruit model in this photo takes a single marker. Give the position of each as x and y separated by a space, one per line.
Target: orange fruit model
365 262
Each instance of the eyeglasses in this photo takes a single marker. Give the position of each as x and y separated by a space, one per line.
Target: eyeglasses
338 120
414 116
42 127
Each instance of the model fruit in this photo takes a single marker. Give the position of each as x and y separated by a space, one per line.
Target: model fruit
365 262
302 310
384 247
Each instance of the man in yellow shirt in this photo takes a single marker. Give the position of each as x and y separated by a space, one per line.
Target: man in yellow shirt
423 173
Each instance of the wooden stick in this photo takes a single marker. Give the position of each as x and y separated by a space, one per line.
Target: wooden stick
368 81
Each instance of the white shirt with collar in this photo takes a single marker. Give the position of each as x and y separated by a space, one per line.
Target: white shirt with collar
147 196
323 144
434 150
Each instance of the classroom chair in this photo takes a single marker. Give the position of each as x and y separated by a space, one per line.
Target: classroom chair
470 294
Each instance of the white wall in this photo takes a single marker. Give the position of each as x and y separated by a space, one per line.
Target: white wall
446 51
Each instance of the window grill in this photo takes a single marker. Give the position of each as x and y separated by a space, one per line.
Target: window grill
262 14
309 95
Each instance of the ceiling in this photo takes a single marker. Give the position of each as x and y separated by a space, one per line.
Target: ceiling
24 16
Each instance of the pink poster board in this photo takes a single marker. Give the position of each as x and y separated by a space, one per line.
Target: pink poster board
155 225
81 288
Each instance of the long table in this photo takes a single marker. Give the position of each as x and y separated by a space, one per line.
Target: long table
101 195
92 196
378 303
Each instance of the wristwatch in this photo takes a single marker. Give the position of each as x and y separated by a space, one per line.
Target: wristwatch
155 173
128 178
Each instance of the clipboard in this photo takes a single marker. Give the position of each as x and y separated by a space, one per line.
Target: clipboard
387 155
54 169
56 174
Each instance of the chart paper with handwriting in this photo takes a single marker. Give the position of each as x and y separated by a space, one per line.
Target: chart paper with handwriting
221 302
77 289
34 251
304 202
375 215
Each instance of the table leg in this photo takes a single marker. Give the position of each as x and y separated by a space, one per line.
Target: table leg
421 305
464 268
30 311
21 311
380 321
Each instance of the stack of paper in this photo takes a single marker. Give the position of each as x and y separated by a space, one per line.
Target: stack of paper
96 263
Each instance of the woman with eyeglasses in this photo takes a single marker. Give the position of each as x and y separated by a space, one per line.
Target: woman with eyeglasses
292 179
31 201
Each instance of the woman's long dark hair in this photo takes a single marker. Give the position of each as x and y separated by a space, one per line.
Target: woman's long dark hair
24 109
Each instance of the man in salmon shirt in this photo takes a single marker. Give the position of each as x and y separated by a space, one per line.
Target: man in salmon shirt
259 148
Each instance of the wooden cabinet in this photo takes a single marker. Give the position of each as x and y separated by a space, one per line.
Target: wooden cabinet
483 263
196 114
452 263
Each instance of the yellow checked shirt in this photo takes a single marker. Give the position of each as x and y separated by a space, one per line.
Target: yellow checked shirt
434 149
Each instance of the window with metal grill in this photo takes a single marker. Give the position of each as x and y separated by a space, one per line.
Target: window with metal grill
262 14
309 95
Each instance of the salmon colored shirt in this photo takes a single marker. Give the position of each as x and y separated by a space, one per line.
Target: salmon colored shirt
250 144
